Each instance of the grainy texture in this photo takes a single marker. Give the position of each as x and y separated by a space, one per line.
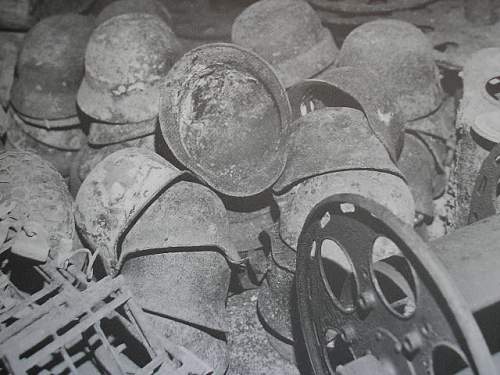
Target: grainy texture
250 351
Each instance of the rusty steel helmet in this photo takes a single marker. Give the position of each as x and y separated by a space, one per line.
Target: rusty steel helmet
417 164
356 88
34 200
153 7
224 114
50 67
61 158
402 57
126 59
122 186
289 35
328 140
89 156
134 208
389 190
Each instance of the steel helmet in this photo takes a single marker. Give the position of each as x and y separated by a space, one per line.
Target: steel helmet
356 88
328 140
61 159
225 116
289 35
126 60
149 224
153 7
402 57
89 156
50 67
34 199
385 188
116 194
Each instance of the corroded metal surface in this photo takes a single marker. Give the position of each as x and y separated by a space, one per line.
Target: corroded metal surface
402 57
387 189
329 140
359 315
37 208
126 59
356 88
484 200
289 35
154 7
50 67
225 115
123 182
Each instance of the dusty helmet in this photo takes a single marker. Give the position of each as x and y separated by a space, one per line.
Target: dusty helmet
153 7
289 35
133 205
402 57
385 188
50 67
126 59
225 116
328 140
34 196
355 88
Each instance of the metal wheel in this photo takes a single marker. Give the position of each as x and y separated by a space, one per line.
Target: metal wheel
374 300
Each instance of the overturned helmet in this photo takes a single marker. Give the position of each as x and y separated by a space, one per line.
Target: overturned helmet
126 59
225 116
289 35
402 56
50 67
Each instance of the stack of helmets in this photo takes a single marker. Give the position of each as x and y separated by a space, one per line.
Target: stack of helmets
336 149
127 57
43 107
288 34
168 236
402 57
36 208
224 115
